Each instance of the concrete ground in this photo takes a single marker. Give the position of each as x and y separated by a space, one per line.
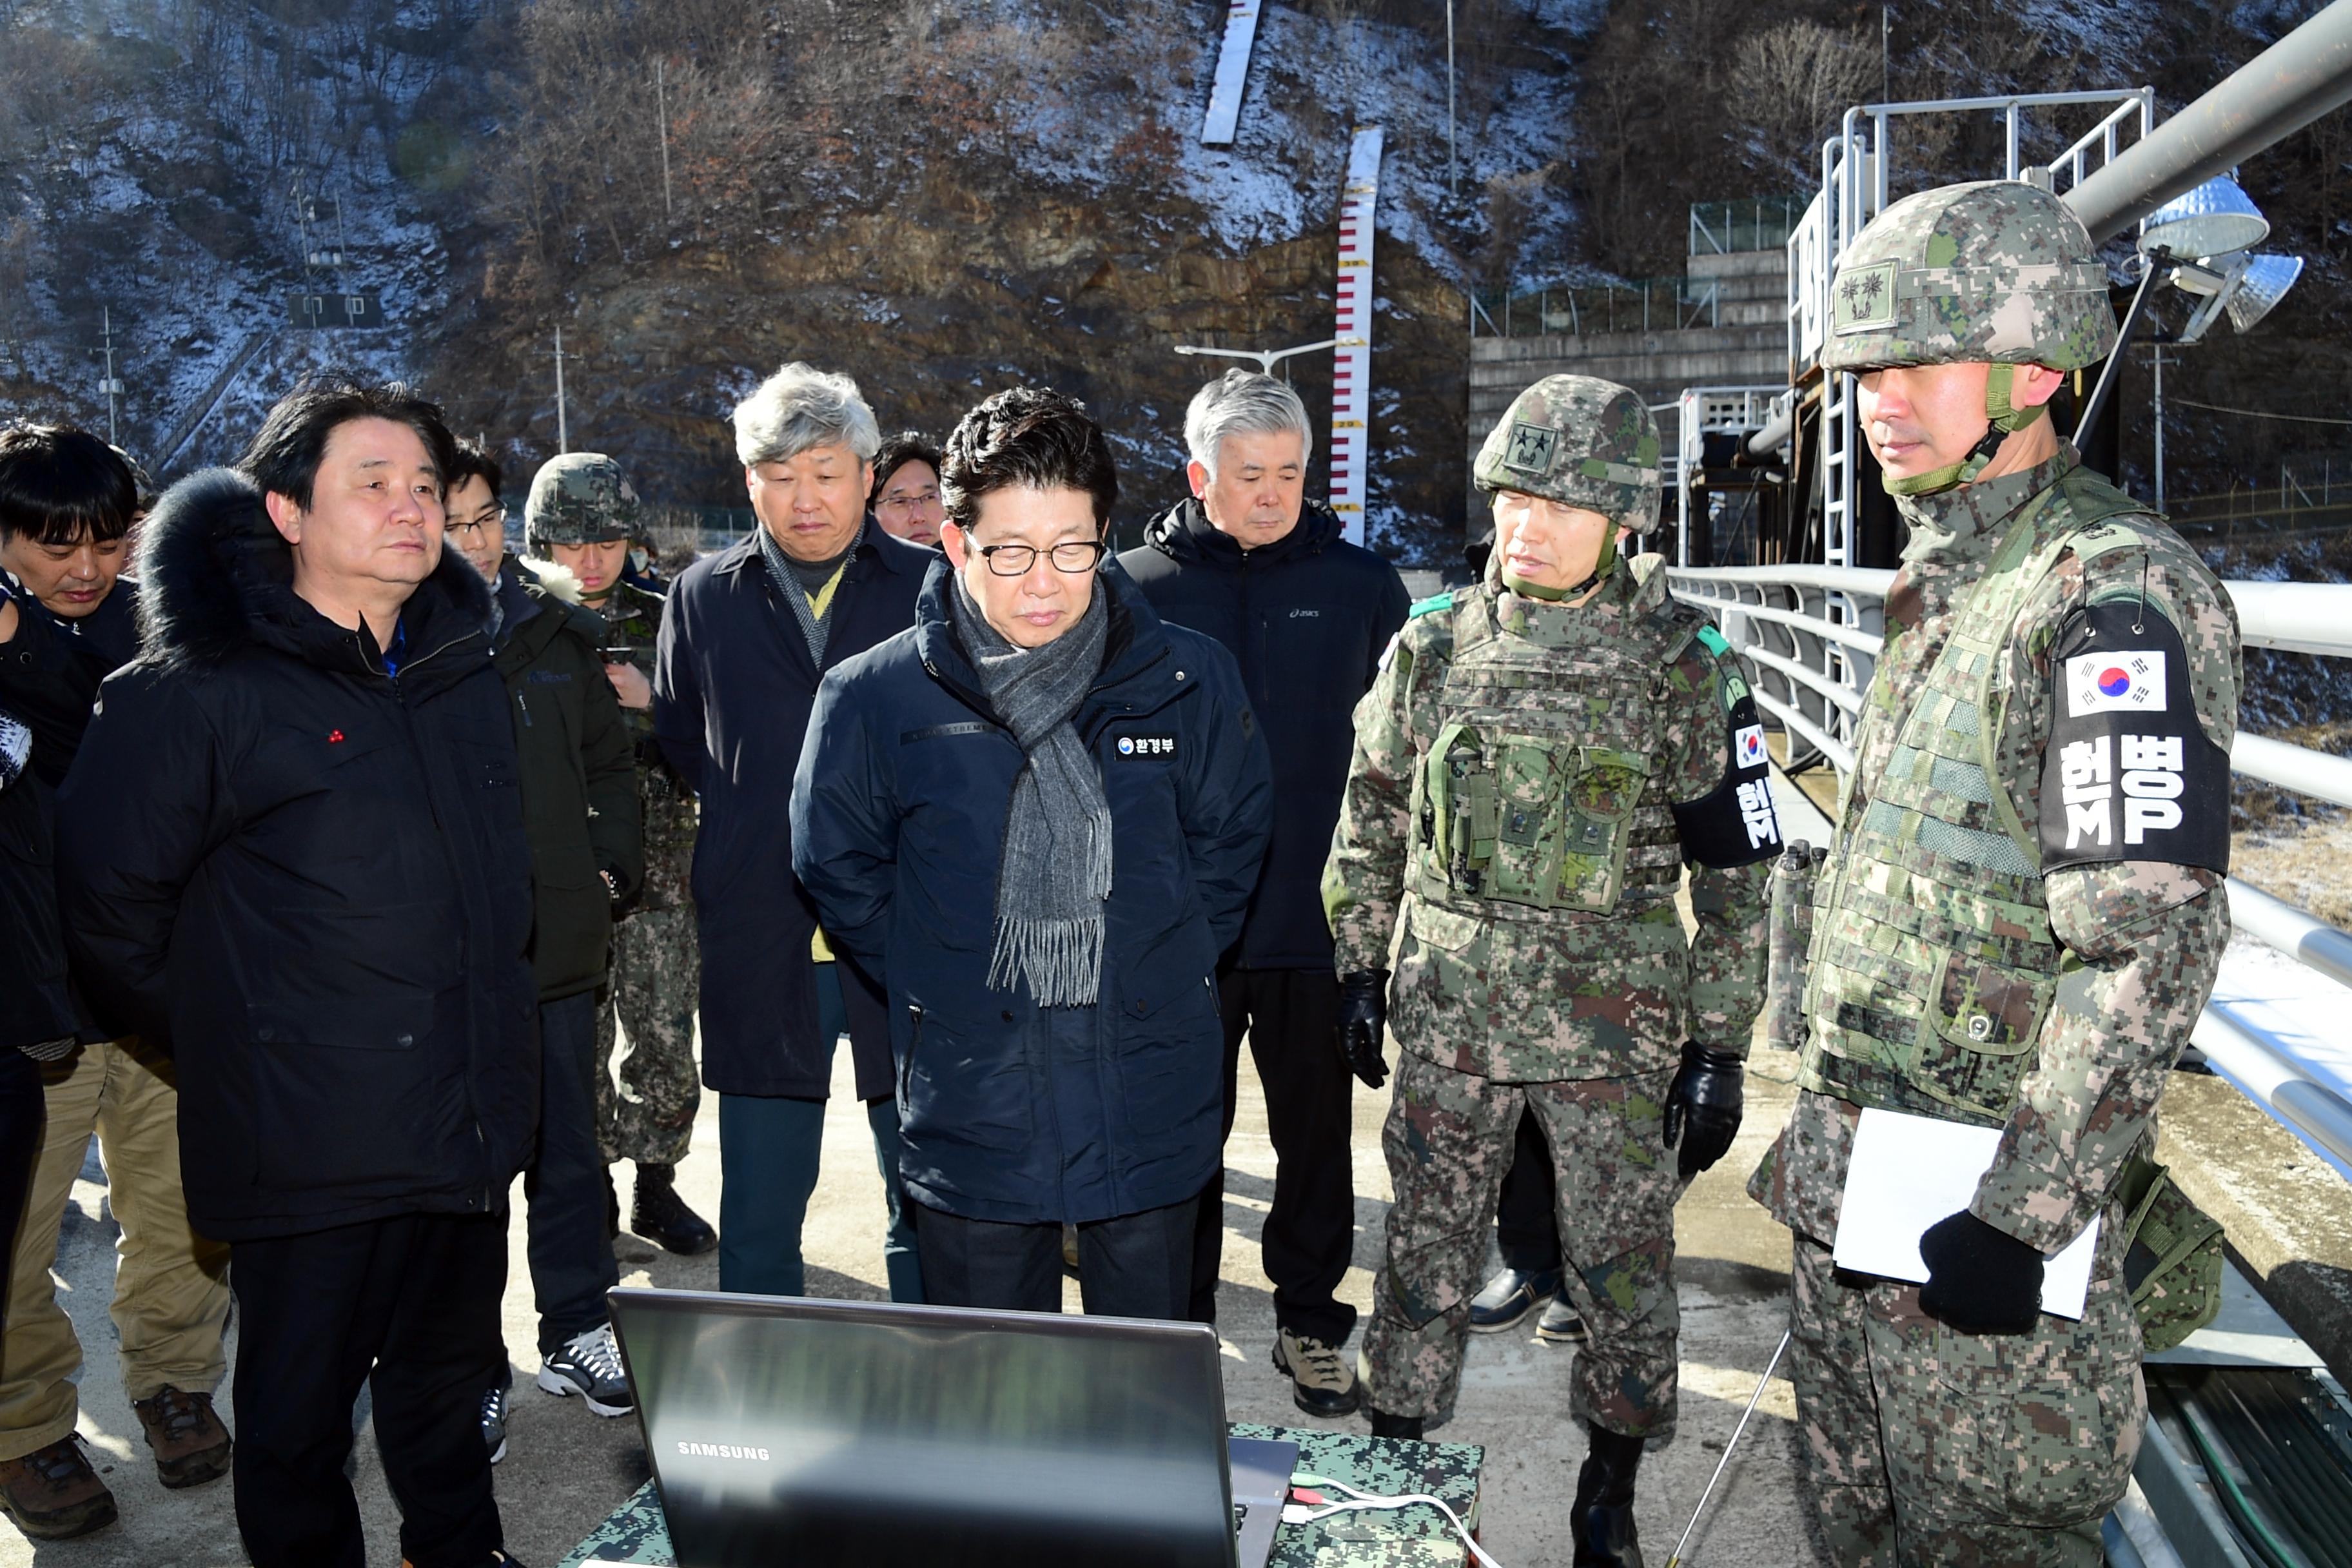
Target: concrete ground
566 1468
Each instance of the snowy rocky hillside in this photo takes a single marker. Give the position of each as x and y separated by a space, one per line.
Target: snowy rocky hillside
944 197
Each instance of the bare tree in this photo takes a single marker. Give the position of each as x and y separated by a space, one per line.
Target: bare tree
1789 83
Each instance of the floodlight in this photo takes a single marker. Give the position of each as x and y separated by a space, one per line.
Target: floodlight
2214 219
2266 279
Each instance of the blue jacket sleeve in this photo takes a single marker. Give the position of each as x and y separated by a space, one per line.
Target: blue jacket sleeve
844 825
1229 801
146 799
677 694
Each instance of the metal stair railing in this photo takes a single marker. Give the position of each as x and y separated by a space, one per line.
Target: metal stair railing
1812 666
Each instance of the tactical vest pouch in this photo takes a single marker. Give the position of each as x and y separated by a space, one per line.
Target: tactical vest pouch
1607 787
1994 1015
2172 1261
1795 876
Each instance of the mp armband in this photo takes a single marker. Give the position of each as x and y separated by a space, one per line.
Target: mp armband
1734 824
2129 774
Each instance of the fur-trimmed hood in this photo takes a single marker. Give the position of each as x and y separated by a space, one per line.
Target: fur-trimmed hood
217 578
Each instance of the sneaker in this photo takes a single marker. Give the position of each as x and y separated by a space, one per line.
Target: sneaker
1321 1380
1560 1325
590 1366
661 1216
493 1421
189 1443
1510 1296
52 1494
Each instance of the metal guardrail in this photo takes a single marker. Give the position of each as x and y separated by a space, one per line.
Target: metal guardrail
1647 305
1753 222
1813 635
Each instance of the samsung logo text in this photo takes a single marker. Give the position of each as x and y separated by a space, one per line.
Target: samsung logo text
720 1451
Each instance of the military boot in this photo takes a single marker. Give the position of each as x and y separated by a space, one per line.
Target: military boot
1387 1426
661 1216
1602 1514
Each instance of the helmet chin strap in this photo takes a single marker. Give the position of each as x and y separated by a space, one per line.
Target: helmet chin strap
1600 570
2003 419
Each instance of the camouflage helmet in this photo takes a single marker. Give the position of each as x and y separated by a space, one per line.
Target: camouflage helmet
1580 441
1995 272
579 498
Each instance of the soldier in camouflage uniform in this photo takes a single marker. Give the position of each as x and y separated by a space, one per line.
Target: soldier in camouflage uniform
2022 914
582 515
1535 763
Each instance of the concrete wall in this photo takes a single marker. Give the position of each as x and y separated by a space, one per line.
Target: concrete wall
1748 346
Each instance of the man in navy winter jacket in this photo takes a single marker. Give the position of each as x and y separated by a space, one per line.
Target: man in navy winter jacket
1039 815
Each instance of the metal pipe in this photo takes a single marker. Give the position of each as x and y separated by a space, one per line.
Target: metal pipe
2156 262
2310 942
2292 767
2275 1080
2272 96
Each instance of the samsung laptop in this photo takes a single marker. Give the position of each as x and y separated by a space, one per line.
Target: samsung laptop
786 1432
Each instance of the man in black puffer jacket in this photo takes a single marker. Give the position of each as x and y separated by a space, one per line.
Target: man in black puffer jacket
1251 562
291 850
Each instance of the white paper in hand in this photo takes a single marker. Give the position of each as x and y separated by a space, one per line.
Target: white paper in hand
1907 1173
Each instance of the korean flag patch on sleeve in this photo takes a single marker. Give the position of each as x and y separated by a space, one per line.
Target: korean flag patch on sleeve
2128 774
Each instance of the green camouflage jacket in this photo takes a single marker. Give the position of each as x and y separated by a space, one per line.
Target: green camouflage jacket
633 618
1522 994
2147 934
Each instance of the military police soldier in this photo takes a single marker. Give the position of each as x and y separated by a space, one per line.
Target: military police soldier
583 514
1538 759
2022 914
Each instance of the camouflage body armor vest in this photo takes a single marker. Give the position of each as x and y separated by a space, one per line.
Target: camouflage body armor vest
1537 799
1932 961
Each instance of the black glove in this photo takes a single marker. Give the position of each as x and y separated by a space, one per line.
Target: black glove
1980 1280
1363 1008
1705 1094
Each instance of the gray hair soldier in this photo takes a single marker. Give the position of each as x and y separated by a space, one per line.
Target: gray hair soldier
1539 758
2021 914
578 522
1250 561
750 632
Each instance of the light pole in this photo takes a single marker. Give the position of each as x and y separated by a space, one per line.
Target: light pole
563 428
111 385
1268 358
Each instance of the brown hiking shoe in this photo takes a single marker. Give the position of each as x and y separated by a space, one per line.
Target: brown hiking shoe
52 1494
191 1445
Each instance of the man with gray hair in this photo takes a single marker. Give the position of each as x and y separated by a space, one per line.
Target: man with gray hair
1251 562
748 634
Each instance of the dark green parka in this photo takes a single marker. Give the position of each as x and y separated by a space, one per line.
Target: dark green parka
579 779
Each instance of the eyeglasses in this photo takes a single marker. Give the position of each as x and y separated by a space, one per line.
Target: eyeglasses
491 517
1073 556
907 503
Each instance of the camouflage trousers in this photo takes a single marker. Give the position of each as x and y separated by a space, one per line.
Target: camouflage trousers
1449 1139
1925 1446
656 976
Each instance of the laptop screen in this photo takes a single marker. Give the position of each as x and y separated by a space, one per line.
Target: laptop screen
821 1432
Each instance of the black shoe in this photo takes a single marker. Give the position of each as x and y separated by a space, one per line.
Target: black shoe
661 1216
1602 1514
1510 1296
1387 1426
496 1402
1321 1380
1559 1324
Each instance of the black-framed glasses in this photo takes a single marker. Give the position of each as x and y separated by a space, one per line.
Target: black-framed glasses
1074 556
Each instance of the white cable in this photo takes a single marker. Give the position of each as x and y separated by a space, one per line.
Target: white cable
1296 1514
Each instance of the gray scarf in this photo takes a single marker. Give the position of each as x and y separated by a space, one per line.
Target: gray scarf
814 627
1054 873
